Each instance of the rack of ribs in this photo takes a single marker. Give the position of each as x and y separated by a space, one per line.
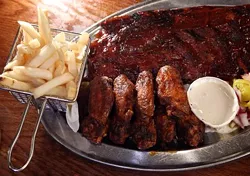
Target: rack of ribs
101 99
197 41
124 91
144 131
171 93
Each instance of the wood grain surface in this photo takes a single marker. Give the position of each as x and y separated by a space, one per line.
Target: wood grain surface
50 157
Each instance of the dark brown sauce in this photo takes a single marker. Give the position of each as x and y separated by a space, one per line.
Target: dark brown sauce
199 41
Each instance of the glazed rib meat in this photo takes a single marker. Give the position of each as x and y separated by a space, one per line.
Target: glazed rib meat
101 99
198 41
124 91
144 134
171 93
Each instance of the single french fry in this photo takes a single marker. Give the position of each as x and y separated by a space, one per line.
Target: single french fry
71 62
50 61
81 54
14 84
34 72
36 82
17 75
60 37
46 52
59 91
71 90
43 25
34 43
57 81
83 40
29 29
18 60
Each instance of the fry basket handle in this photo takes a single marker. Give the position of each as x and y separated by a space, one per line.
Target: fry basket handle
32 144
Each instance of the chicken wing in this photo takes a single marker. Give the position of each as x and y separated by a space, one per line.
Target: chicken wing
191 130
101 99
165 126
144 127
124 91
171 92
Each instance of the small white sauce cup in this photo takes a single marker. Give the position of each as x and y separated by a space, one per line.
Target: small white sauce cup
222 84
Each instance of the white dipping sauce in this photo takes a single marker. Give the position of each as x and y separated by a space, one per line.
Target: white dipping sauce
213 101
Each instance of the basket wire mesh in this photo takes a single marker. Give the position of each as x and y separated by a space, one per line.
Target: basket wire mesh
54 103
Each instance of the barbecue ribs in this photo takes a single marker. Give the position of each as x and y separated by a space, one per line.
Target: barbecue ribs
198 41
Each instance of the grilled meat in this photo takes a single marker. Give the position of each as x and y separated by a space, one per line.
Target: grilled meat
101 99
145 94
197 41
124 91
171 92
191 130
165 126
144 133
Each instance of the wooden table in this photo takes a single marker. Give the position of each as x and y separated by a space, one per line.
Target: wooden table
50 157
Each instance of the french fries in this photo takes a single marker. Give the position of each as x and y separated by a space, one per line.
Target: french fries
26 38
71 62
60 68
15 62
24 49
34 72
30 30
57 81
48 63
34 43
59 91
73 46
45 65
43 25
17 75
83 40
52 68
14 84
37 82
46 52
60 37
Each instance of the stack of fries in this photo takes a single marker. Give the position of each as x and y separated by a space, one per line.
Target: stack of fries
45 65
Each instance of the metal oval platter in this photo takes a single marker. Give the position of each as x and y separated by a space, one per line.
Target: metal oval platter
217 148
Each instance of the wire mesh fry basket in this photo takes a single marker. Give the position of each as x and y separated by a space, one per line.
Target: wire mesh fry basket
50 102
